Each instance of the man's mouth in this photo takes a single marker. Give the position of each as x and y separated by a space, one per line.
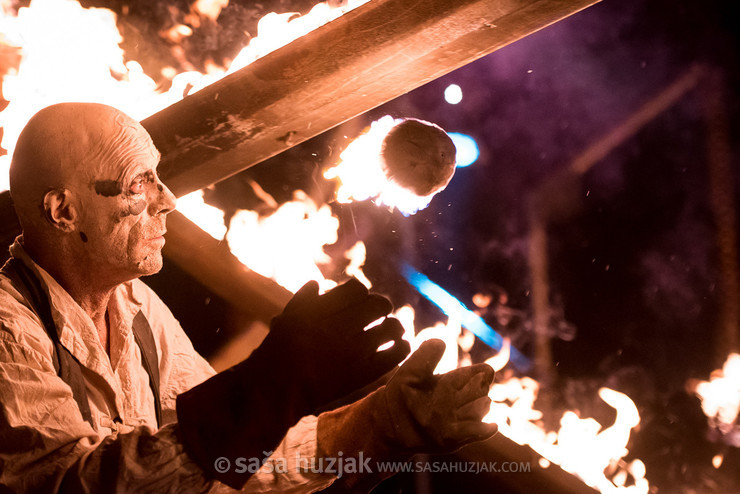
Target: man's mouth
158 238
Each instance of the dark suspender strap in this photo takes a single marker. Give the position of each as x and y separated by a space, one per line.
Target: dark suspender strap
67 366
150 361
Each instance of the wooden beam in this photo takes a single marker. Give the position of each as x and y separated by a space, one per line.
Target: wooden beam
657 105
550 479
722 201
212 264
367 57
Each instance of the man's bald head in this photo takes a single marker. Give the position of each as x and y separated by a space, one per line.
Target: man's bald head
72 145
84 182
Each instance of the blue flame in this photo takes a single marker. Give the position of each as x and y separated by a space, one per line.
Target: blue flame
467 149
452 307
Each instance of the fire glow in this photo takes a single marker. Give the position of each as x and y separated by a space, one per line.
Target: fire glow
360 175
287 246
720 398
69 53
582 446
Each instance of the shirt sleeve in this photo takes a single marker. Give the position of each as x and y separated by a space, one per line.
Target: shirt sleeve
288 468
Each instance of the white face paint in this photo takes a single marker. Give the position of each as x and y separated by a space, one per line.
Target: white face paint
123 206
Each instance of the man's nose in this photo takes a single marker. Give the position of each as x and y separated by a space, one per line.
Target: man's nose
165 199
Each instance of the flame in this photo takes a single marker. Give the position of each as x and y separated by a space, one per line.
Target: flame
56 65
466 340
356 255
207 217
71 53
209 8
720 397
582 446
500 360
286 246
277 30
446 332
361 177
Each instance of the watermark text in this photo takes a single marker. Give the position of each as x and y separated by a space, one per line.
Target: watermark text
342 465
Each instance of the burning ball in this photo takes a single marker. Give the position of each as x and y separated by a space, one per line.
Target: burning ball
418 156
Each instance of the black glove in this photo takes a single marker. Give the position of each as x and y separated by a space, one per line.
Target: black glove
323 337
317 351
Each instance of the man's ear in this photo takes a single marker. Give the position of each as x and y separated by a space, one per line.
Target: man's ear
59 209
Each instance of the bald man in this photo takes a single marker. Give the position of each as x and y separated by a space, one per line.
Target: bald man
100 389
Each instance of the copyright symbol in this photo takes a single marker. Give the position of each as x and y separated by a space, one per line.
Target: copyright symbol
222 465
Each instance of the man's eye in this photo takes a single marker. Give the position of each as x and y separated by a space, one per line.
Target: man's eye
137 187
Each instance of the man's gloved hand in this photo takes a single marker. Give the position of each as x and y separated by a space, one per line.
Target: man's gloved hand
324 339
437 413
317 351
416 412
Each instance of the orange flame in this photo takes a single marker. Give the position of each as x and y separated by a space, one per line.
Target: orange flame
720 396
286 246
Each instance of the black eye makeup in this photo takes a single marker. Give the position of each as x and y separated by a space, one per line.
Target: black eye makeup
107 188
139 184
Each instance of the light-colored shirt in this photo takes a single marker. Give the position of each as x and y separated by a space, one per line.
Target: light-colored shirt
43 436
